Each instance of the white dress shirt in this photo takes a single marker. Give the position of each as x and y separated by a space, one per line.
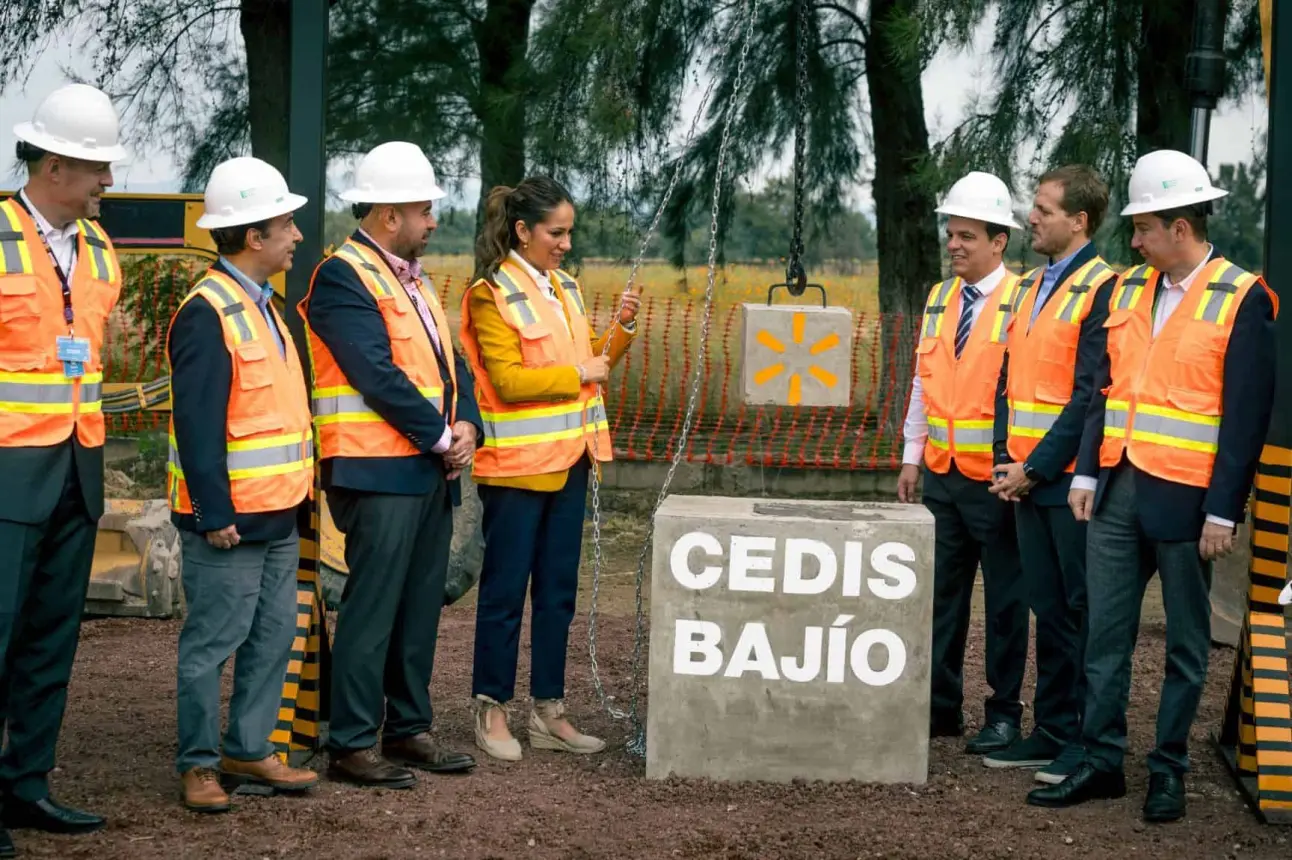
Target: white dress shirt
1170 298
916 428
61 242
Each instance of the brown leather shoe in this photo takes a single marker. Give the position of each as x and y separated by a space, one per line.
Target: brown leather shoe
422 752
270 773
202 791
369 769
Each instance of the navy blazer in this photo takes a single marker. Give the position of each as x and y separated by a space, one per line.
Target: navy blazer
201 375
1062 442
345 316
1175 512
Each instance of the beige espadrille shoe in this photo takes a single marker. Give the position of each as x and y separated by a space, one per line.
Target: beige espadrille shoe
543 730
507 749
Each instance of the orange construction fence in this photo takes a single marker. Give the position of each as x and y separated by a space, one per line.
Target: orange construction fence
647 393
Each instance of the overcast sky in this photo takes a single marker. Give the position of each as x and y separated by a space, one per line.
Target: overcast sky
948 84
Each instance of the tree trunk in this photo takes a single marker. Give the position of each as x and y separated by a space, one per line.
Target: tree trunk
501 41
266 31
905 224
1166 34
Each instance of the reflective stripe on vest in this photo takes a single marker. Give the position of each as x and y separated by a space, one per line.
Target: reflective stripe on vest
1176 429
1116 416
49 393
260 458
522 313
936 308
971 436
1032 420
15 253
342 403
542 424
1127 294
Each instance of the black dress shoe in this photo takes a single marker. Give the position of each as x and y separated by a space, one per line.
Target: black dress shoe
49 816
6 845
371 770
421 751
1086 783
1165 799
993 738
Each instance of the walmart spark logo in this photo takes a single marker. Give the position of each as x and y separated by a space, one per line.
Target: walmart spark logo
822 345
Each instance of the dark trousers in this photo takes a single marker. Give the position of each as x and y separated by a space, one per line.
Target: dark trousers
528 533
44 575
397 549
972 526
1052 547
1120 563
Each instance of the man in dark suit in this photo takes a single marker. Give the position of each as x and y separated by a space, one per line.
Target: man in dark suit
59 280
1174 433
397 420
1046 382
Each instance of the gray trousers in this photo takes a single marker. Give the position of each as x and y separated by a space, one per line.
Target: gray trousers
1119 564
240 600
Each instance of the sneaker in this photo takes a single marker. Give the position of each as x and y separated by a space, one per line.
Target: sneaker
1064 766
1036 750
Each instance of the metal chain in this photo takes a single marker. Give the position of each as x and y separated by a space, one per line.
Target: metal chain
636 744
794 268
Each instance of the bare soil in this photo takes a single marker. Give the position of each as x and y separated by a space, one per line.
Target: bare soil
119 737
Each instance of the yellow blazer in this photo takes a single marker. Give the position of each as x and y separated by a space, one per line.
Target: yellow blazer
515 383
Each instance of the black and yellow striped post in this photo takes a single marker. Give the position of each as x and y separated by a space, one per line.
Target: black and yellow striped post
302 715
1255 737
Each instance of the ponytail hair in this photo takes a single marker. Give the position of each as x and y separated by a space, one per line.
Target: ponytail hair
531 202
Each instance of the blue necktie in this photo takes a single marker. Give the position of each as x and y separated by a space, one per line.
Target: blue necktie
968 295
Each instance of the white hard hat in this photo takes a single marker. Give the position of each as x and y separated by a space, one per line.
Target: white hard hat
246 191
394 172
1168 179
982 197
78 121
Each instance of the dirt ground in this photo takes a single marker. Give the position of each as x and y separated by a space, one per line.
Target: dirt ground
119 736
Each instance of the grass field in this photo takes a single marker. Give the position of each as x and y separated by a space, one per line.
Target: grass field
744 282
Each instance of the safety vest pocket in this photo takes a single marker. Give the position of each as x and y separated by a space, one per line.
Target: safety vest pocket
538 347
20 310
21 359
1200 356
1194 401
926 347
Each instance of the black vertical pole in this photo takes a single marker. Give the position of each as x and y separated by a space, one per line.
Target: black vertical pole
1278 209
1205 71
306 160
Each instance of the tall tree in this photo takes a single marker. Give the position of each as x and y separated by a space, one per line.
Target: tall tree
1088 81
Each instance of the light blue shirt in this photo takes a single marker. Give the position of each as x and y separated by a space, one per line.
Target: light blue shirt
1049 280
260 294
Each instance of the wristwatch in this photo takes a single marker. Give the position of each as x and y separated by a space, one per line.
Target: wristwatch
1030 473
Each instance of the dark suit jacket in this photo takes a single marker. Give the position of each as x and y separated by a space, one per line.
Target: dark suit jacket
42 473
345 316
1061 444
201 374
1174 512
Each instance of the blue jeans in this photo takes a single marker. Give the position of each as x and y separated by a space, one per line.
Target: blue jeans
528 533
240 600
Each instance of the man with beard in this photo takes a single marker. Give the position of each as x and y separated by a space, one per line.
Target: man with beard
1046 383
396 421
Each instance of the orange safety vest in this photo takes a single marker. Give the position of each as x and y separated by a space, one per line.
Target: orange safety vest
960 394
346 425
270 443
1165 399
1043 358
39 405
539 437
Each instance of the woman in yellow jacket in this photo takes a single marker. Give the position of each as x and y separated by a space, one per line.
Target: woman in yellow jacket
537 368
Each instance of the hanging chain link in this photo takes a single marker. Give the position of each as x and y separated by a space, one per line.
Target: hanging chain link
794 271
636 744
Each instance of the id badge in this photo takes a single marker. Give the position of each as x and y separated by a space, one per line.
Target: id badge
74 352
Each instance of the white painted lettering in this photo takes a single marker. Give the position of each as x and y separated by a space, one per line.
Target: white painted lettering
838 650
898 580
860 657
753 653
680 564
811 665
692 638
826 563
742 562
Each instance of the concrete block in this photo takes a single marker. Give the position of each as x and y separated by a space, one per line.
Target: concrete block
796 355
790 639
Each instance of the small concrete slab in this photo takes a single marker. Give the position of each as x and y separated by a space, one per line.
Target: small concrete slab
790 640
796 355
